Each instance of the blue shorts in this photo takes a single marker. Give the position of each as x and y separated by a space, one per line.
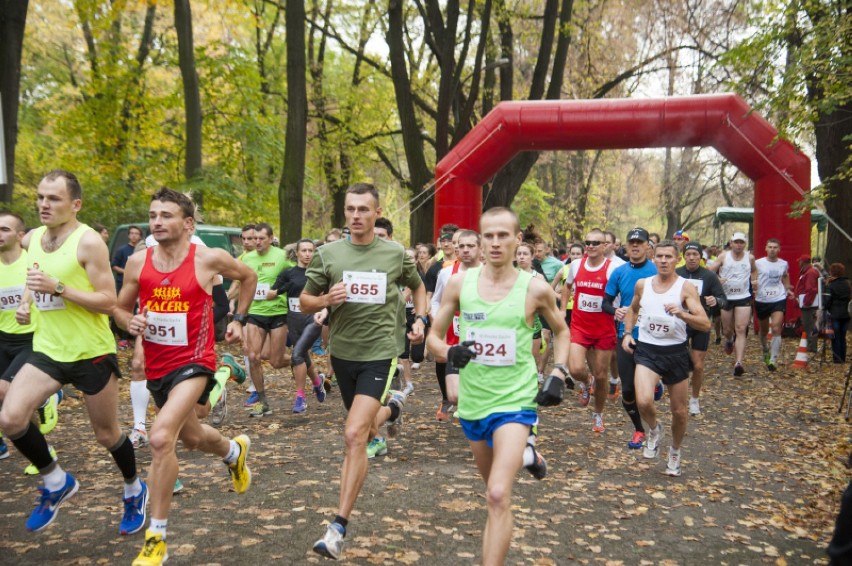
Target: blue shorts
483 429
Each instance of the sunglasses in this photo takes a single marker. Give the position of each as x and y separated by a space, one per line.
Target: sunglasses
592 243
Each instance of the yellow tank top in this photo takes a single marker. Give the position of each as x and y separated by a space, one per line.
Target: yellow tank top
12 280
67 332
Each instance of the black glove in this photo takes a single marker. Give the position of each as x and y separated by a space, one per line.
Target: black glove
552 392
461 354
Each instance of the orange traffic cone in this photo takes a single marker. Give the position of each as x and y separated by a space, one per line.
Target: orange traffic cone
801 361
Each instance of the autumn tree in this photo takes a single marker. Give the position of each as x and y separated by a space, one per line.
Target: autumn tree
13 19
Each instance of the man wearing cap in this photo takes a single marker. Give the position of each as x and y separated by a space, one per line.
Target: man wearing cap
737 270
808 297
622 285
712 297
770 301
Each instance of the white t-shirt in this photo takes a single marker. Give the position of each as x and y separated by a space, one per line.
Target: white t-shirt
770 287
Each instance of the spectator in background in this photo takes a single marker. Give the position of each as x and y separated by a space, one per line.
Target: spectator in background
806 293
134 236
102 230
837 304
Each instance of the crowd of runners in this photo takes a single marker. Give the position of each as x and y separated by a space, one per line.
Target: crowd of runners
509 324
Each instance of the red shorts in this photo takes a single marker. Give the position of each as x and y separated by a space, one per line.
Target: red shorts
606 342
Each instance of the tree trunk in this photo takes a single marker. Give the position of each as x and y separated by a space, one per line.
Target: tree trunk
419 173
293 175
13 20
833 132
191 94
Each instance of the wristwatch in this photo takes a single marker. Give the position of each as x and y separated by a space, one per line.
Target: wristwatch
424 319
60 288
241 318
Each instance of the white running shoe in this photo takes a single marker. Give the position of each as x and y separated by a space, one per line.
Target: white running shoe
673 465
331 544
694 407
652 442
139 438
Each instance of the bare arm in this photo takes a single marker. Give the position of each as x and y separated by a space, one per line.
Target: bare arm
694 316
718 263
442 318
545 305
632 316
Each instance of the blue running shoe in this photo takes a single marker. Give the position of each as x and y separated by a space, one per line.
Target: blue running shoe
319 390
4 450
134 512
49 503
658 391
300 406
252 400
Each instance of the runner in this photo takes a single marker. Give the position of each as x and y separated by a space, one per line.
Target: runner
611 247
497 412
621 286
173 282
267 314
358 279
712 297
770 301
738 273
592 330
807 293
302 329
70 283
664 306
448 249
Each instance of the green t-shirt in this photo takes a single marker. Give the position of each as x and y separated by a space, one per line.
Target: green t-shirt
267 267
502 378
367 326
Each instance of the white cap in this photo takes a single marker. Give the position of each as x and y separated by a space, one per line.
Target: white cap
739 236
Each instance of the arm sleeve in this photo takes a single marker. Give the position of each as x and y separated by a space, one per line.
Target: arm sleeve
607 305
220 303
280 282
716 289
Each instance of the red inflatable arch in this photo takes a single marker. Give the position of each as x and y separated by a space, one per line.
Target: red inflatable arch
723 121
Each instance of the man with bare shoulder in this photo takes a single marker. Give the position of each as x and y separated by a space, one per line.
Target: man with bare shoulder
70 283
498 385
359 279
664 306
173 282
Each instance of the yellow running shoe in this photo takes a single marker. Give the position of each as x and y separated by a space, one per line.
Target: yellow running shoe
240 473
154 552
48 415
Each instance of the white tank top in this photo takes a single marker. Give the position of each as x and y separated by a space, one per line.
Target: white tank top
656 326
736 274
770 288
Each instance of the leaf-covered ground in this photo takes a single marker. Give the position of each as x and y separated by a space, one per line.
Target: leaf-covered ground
761 483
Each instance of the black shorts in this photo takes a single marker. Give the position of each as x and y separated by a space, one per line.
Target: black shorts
765 310
671 363
732 304
296 324
544 325
698 341
267 323
568 317
160 388
372 379
15 350
89 376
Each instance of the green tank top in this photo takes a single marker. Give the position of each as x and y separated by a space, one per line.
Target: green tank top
267 267
502 378
13 277
66 331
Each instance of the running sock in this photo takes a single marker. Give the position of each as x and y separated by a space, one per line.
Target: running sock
529 455
300 393
158 527
394 412
342 522
125 458
132 489
316 381
613 380
633 412
32 444
55 479
261 396
775 349
139 396
233 453
441 372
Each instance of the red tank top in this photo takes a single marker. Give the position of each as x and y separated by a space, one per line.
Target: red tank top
180 318
452 331
589 289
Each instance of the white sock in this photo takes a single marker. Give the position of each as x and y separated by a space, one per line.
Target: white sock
158 527
133 488
233 453
139 397
529 456
247 365
55 480
775 348
613 379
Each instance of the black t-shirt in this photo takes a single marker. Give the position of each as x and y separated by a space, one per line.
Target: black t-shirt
431 278
291 281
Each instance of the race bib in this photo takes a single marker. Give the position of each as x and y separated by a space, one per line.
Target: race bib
698 284
294 304
588 303
659 326
166 328
733 290
10 297
366 287
493 347
260 291
48 302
